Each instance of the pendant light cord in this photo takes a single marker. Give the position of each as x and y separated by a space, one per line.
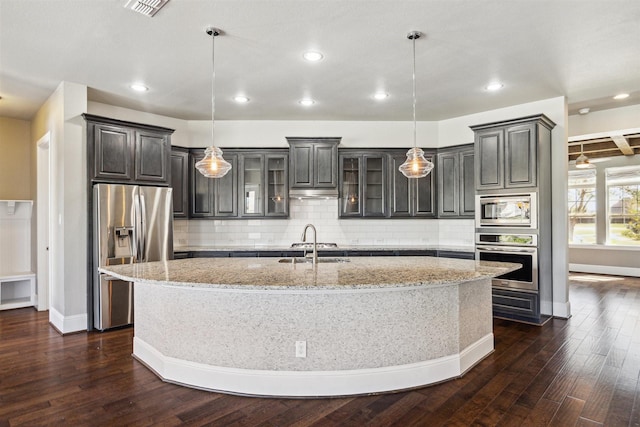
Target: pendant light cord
214 33
414 91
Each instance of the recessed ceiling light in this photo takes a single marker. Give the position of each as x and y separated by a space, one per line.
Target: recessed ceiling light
306 102
621 96
312 56
494 86
584 110
139 87
241 99
380 95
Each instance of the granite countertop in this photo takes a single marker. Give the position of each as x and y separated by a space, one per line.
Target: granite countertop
328 249
270 274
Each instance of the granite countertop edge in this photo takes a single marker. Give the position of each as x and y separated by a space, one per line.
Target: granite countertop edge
336 249
245 274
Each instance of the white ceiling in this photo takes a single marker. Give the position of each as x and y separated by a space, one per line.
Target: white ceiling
584 50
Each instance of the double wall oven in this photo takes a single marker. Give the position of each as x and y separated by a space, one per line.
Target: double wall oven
506 231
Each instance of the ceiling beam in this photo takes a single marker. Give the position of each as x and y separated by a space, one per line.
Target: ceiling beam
623 145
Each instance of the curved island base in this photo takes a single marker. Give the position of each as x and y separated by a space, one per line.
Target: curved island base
359 338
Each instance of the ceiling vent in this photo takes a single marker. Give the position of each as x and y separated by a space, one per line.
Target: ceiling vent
146 7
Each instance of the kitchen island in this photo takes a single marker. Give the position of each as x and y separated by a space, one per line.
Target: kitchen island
342 327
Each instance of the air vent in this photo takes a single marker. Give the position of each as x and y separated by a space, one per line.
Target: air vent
146 7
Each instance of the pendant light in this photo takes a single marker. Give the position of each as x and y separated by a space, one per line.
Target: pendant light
213 165
582 162
416 166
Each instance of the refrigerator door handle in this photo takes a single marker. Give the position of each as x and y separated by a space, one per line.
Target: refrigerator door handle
137 237
143 228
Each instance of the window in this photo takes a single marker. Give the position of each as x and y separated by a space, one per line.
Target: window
582 207
623 205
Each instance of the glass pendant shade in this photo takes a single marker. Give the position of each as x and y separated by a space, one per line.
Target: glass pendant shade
213 165
416 165
582 162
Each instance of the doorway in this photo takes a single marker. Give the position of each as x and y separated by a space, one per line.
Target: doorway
43 223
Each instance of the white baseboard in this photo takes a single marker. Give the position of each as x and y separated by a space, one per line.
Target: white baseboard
310 383
605 269
562 309
68 324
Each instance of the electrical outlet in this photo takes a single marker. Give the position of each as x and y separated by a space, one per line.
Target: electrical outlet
301 349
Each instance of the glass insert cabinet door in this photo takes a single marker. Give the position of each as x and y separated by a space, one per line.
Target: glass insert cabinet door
373 188
252 185
350 188
277 185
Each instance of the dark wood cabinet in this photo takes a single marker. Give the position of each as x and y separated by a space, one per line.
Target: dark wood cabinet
313 163
456 189
255 187
226 189
201 195
152 156
518 305
410 197
127 152
506 153
363 184
180 181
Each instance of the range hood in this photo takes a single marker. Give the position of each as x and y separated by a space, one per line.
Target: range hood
313 193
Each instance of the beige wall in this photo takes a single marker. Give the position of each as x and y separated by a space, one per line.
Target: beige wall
15 159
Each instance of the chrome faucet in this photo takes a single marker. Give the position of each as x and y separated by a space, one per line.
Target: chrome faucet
315 242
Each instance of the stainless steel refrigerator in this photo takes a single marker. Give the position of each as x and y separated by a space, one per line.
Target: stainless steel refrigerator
131 224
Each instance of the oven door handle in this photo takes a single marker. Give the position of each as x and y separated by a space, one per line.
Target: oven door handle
510 249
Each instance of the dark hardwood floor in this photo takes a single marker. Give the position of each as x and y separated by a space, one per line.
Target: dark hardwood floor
583 371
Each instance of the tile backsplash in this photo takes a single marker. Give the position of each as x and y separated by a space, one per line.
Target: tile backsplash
323 213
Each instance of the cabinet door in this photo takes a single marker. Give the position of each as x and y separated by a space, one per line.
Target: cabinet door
152 153
180 182
448 184
301 165
350 186
226 189
489 159
252 189
325 164
277 203
373 186
467 183
423 193
200 189
400 194
520 153
113 151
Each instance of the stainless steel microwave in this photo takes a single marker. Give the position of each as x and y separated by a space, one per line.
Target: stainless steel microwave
507 210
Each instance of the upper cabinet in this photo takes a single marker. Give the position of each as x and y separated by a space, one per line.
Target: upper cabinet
126 152
506 153
256 186
410 197
313 163
180 181
456 189
363 184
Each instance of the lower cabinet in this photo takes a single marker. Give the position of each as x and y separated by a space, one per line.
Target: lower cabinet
517 305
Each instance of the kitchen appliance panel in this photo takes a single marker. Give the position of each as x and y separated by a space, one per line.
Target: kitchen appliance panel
116 308
131 224
507 210
525 278
156 224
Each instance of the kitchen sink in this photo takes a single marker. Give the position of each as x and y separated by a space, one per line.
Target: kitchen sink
301 260
307 245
